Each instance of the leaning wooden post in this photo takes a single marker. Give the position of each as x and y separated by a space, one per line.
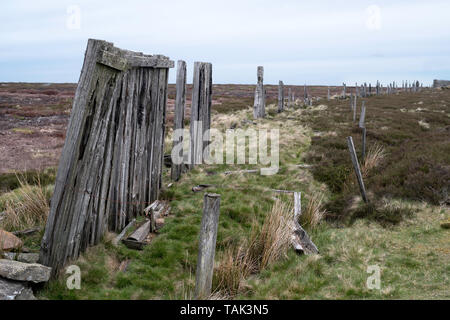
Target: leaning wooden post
207 245
351 148
280 96
259 104
200 112
178 123
112 159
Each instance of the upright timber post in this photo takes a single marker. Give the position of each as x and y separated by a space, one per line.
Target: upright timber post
259 105
178 122
280 96
351 148
207 245
200 112
112 158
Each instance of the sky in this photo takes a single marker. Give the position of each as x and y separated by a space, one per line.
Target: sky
313 42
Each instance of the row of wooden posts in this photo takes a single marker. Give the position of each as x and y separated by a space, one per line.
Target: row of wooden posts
111 164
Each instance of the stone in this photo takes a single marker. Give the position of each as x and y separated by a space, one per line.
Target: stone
15 270
14 290
8 241
22 257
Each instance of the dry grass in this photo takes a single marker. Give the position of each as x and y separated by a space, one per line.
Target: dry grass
234 267
25 207
268 243
314 212
375 154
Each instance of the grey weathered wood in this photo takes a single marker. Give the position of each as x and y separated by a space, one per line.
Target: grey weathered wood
362 116
297 205
355 162
328 94
259 105
207 245
178 122
280 96
344 90
111 161
142 232
200 112
289 97
117 239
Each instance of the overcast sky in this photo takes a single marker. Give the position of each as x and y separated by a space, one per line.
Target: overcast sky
317 42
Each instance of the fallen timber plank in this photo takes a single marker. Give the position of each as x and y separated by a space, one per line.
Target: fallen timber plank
124 231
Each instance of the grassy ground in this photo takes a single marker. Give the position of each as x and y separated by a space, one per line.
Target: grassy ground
402 237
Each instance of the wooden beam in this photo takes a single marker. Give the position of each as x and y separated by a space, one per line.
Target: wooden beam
207 245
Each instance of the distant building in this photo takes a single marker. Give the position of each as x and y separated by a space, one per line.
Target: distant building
441 83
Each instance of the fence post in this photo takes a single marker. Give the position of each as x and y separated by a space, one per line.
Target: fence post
351 148
180 101
362 116
297 205
280 96
200 112
207 245
259 104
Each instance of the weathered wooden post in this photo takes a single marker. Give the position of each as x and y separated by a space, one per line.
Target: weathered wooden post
355 162
207 245
297 205
280 96
305 92
362 115
344 91
178 122
111 162
328 94
259 105
200 112
289 97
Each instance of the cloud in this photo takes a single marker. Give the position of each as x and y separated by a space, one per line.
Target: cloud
295 40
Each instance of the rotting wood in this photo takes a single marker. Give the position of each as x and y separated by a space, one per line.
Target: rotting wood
300 239
117 239
357 169
280 96
201 187
112 159
155 211
207 245
180 103
241 171
200 112
259 105
26 231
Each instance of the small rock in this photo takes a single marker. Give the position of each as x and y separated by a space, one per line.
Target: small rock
15 270
8 241
22 257
445 224
14 290
159 223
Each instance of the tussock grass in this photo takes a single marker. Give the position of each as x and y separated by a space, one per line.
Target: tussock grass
314 211
26 206
375 155
267 245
